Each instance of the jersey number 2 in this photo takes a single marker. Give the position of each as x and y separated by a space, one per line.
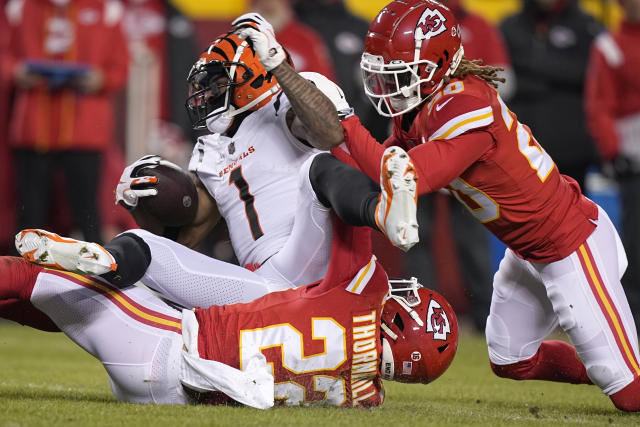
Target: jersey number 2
238 180
291 342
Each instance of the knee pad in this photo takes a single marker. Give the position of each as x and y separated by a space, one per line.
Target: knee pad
132 255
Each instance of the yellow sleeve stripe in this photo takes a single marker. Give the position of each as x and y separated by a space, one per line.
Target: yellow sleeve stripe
464 122
359 282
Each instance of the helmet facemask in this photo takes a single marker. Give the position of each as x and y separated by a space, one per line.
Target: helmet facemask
399 87
211 89
405 293
395 88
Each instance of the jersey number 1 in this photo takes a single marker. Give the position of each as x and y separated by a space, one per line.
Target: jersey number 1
238 180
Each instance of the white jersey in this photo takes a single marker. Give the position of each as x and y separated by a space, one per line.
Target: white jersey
253 177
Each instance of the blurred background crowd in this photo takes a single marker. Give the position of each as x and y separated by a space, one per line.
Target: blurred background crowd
87 86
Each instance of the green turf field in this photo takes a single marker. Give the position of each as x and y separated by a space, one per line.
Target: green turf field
46 380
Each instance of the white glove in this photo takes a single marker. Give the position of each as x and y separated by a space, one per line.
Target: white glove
126 191
254 27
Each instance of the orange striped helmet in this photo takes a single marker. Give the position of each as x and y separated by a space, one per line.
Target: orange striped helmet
227 79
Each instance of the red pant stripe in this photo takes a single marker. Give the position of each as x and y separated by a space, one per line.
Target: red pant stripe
608 307
128 306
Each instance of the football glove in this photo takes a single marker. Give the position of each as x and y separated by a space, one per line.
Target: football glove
131 187
254 27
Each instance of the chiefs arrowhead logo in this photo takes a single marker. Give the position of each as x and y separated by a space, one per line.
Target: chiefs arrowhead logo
437 321
430 24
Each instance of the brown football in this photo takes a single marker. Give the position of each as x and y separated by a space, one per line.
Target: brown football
176 203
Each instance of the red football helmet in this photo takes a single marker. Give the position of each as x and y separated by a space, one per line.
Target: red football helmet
227 78
419 333
410 47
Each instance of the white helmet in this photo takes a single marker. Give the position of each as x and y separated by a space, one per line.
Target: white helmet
332 91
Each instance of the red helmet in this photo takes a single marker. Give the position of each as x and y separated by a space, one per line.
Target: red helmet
227 78
419 333
410 47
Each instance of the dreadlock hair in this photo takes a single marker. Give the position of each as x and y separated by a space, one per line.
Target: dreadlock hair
474 67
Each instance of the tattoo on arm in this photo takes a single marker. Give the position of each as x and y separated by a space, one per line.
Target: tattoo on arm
312 107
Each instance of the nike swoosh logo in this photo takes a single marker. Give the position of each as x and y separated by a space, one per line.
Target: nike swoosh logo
440 106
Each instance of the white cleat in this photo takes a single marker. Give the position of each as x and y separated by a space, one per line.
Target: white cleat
396 210
50 250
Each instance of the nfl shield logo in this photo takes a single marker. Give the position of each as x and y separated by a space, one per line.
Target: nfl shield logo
231 148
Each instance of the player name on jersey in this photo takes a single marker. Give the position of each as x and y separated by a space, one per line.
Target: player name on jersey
364 365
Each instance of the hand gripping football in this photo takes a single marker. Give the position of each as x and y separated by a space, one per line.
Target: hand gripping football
176 203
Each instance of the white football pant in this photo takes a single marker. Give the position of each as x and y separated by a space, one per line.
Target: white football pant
580 293
133 333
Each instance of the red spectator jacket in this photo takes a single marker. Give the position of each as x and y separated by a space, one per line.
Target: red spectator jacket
612 87
307 49
86 32
481 40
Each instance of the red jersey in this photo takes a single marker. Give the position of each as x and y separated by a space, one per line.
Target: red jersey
467 140
322 340
612 92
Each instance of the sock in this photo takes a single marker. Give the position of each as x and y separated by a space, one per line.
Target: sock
554 361
132 255
17 279
350 193
628 399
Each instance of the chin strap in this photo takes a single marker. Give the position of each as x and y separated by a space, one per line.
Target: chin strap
456 61
273 90
388 331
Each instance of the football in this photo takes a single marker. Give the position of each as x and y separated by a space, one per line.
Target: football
176 203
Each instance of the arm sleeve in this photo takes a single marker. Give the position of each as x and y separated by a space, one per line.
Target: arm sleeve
364 148
441 161
600 100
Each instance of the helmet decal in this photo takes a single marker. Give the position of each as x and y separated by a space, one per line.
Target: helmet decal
416 356
430 24
406 368
437 321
